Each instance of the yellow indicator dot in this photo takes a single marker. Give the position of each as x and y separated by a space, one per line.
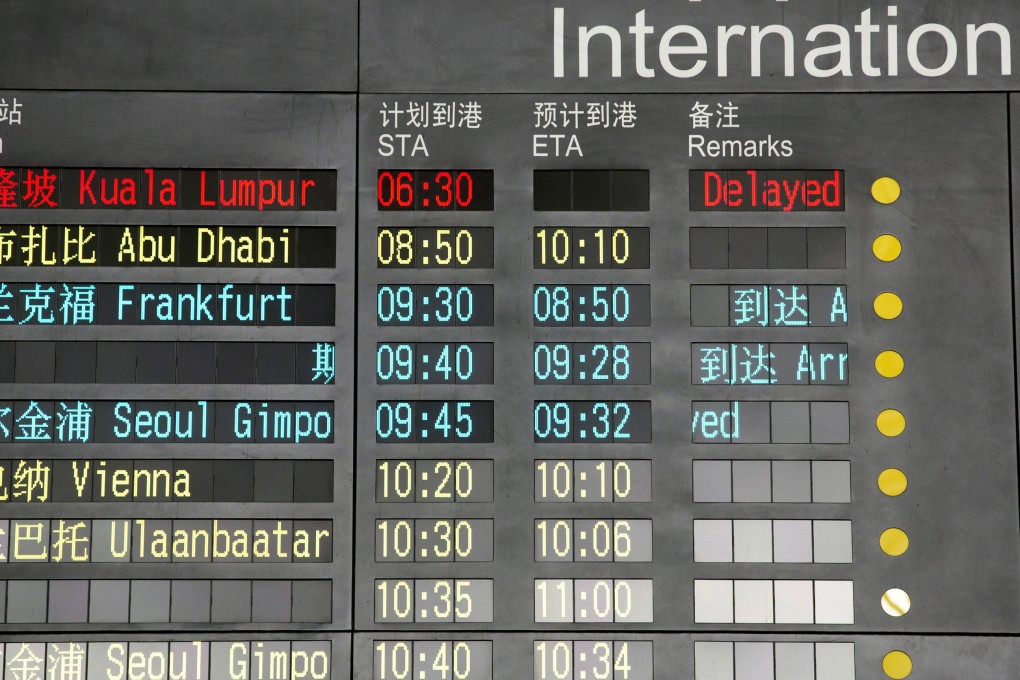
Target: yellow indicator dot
888 305
885 190
892 482
889 364
891 422
886 247
894 541
895 602
897 665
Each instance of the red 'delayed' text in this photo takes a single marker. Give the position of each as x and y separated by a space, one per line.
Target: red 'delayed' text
767 190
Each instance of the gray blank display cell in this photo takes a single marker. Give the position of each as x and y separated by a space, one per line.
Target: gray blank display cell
712 482
794 601
709 248
8 355
26 601
157 363
752 481
274 481
231 602
752 540
196 364
792 540
313 481
826 247
752 601
795 661
190 601
833 542
108 601
312 602
275 363
791 422
748 248
35 362
115 362
150 601
791 481
753 661
713 601
788 248
834 661
234 481
68 601
830 481
834 602
713 540
710 306
235 363
76 362
713 661
830 422
270 601
754 422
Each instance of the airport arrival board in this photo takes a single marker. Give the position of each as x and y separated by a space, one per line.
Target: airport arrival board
464 341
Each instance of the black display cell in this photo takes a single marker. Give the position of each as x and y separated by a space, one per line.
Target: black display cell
630 192
709 248
35 362
235 362
275 364
274 481
76 362
7 357
748 248
592 190
196 363
552 190
313 481
316 247
157 363
788 248
116 362
316 305
826 247
234 481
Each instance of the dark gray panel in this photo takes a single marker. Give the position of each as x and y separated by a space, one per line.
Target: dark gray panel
949 154
231 45
167 130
